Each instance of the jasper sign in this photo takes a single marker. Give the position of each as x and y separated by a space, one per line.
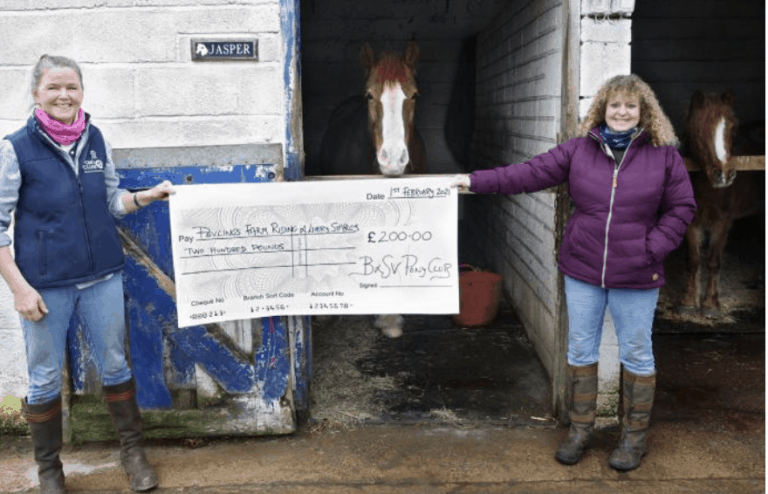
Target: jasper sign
217 50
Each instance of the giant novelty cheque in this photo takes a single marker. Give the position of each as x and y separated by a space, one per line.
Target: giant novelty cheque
378 246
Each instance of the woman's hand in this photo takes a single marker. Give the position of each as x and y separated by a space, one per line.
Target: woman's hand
136 200
159 192
30 304
462 182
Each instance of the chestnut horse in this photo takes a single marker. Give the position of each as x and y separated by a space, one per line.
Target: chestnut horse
375 133
722 195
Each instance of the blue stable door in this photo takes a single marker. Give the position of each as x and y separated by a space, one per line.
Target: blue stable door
244 377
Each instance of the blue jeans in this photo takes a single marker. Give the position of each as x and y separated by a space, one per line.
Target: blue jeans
100 308
632 312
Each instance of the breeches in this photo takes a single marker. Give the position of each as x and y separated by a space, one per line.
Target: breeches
100 310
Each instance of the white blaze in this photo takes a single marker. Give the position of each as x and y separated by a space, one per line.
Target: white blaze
393 155
720 151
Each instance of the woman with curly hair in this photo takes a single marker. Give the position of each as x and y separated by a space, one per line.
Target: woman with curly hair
633 201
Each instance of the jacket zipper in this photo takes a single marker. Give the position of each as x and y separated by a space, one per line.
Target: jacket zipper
614 186
78 152
78 180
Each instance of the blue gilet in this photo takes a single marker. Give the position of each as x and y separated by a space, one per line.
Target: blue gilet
63 231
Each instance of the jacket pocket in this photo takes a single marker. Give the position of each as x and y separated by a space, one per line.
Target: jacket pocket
41 254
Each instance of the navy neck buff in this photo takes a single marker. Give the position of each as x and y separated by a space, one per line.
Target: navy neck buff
616 140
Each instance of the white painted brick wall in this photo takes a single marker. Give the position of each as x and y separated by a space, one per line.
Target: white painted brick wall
601 61
137 68
13 364
518 95
607 7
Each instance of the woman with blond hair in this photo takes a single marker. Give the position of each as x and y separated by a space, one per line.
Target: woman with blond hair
632 202
59 186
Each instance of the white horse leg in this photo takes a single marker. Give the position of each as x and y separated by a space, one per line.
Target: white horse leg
390 325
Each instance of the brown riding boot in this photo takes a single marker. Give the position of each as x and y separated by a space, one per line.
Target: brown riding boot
121 402
638 401
45 426
582 412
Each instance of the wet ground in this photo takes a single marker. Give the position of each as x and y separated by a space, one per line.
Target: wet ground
438 373
451 421
446 409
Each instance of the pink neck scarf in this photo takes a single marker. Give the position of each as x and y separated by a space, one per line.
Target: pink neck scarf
62 133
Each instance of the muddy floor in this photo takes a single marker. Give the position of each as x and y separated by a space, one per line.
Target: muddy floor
713 377
434 414
437 372
443 403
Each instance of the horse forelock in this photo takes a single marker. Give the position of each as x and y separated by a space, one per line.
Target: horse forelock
390 70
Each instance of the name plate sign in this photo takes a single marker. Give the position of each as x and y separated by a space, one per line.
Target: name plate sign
377 246
217 50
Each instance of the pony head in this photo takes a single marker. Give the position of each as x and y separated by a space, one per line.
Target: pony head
710 125
391 91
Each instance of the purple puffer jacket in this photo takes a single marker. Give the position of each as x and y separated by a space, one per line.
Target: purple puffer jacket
627 218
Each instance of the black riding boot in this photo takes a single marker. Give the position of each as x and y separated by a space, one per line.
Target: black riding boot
582 412
638 401
121 402
45 426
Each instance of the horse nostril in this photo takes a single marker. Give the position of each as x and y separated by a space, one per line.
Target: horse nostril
404 156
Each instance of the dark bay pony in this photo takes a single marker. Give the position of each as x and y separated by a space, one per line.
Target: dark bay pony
722 195
374 133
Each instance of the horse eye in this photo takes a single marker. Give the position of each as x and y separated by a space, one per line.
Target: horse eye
415 95
369 96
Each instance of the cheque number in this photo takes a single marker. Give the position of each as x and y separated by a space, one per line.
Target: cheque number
205 315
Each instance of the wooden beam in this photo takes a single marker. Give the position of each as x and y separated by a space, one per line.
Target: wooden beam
746 163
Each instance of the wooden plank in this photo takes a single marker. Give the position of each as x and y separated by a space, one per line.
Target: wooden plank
745 163
377 177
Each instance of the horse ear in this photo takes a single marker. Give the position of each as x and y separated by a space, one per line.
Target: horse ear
412 54
728 97
367 57
697 99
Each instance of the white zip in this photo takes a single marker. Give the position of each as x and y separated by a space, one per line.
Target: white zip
608 222
614 185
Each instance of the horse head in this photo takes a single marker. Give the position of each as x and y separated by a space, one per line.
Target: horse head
710 128
391 91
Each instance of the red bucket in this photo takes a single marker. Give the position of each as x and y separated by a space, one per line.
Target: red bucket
480 295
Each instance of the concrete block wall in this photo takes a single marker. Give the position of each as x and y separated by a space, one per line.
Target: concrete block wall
518 94
606 35
141 87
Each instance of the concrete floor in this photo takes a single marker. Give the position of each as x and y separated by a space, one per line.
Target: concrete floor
708 432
